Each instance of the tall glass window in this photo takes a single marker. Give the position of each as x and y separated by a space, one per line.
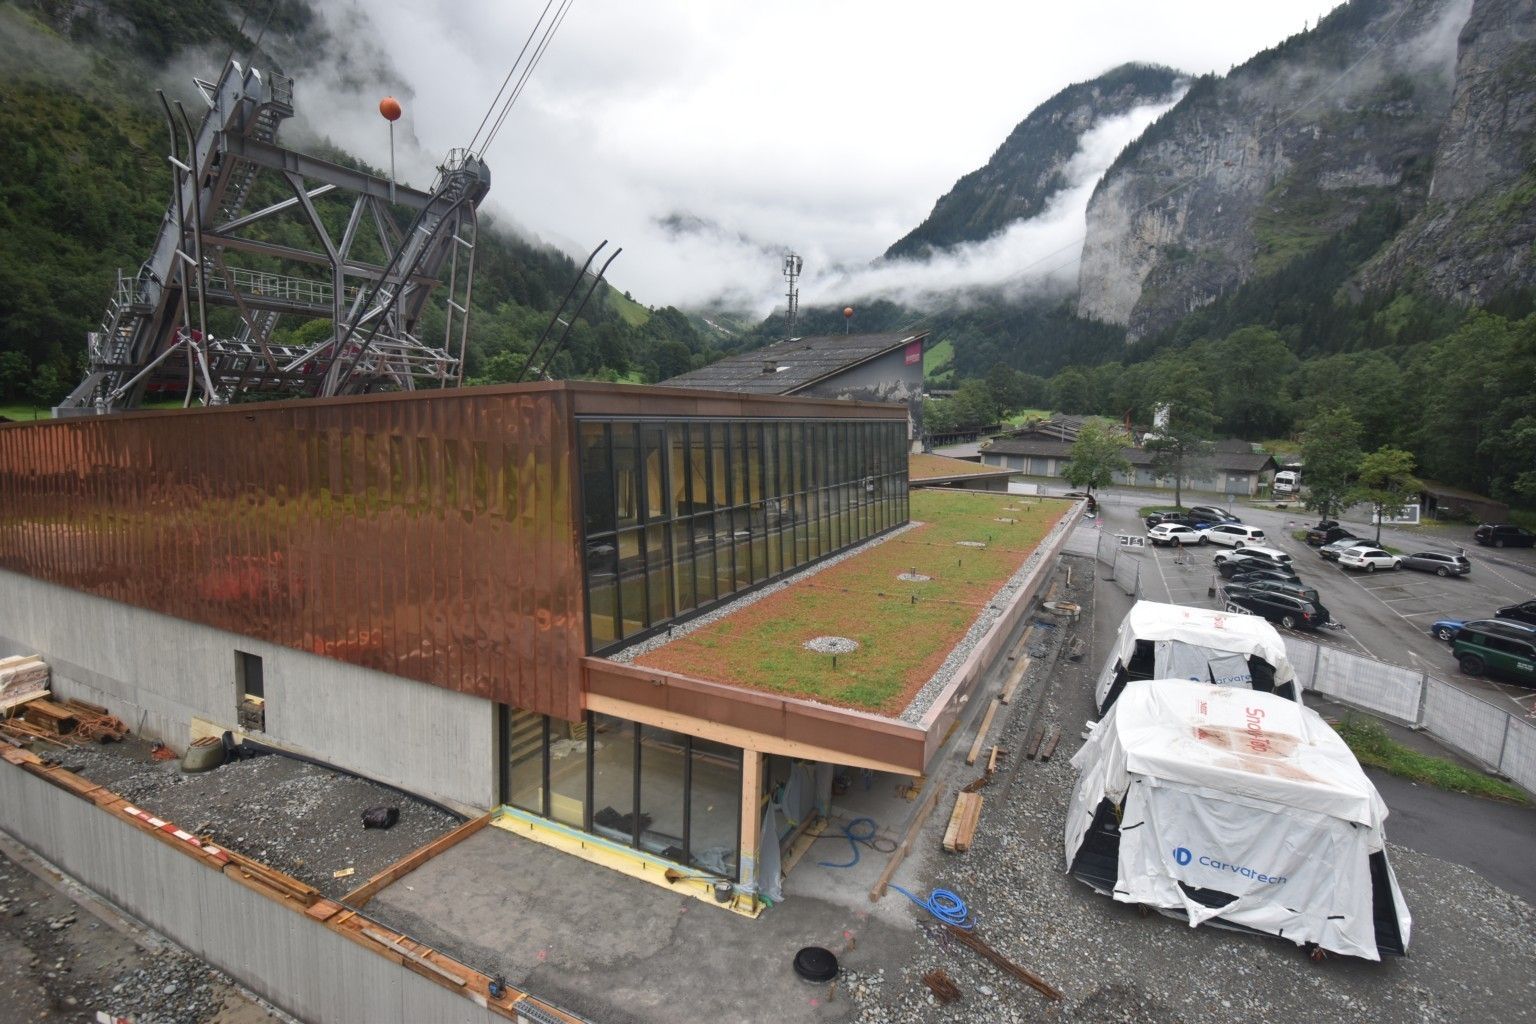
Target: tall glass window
678 515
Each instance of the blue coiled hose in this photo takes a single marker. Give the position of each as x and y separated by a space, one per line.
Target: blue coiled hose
944 905
858 832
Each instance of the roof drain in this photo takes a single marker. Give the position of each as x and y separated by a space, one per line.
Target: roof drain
817 964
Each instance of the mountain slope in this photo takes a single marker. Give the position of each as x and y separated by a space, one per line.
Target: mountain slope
1252 170
1027 169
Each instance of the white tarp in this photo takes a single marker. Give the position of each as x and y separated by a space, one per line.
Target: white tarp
1242 792
1205 628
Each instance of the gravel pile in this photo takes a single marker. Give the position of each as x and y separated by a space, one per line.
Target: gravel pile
303 820
1473 944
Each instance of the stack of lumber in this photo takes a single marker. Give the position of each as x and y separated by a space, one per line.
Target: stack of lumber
963 822
22 677
62 723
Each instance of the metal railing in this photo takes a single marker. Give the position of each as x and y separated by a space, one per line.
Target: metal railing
1498 739
1124 568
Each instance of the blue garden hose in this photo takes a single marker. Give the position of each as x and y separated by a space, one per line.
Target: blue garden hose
944 905
864 836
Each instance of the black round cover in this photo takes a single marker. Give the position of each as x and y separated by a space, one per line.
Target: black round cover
813 963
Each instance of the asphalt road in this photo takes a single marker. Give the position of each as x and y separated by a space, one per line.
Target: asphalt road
1386 615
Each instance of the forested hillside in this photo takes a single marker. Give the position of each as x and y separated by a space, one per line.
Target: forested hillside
85 184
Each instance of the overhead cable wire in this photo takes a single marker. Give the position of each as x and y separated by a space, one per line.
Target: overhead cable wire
529 68
491 109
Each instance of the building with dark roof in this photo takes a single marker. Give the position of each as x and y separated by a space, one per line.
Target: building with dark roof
1234 467
865 367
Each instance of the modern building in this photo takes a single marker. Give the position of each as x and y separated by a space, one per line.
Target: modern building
484 596
866 367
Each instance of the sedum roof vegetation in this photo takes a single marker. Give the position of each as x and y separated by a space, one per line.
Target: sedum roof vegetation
904 630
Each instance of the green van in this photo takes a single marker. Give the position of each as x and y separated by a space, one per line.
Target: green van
1505 649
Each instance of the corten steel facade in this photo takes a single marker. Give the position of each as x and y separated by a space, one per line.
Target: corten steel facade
434 535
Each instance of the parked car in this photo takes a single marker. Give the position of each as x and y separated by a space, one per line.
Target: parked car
1179 516
1446 629
1503 535
1498 648
1284 609
1232 567
1248 577
1332 550
1233 535
1273 555
1441 563
1212 514
1294 587
1524 612
1367 558
1319 535
1174 533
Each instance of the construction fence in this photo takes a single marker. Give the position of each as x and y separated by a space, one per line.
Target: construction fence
1115 552
1499 740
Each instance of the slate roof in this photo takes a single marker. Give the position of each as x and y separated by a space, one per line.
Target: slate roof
797 362
1028 446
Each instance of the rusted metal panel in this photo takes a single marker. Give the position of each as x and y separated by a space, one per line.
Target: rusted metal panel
856 733
430 535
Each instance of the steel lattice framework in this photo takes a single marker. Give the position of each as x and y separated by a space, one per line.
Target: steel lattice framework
209 253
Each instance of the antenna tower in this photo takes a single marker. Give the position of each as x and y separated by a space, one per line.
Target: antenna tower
792 264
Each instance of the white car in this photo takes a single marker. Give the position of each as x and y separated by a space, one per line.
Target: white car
1233 535
1368 558
1273 555
1174 533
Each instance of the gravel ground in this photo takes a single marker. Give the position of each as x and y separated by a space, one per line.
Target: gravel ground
303 820
59 963
1472 951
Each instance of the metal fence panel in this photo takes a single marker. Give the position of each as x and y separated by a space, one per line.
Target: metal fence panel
1466 722
1369 684
1518 762
1303 655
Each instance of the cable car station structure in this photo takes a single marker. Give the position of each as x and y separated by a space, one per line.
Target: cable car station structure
372 280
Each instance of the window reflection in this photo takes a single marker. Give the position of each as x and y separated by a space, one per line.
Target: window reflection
678 515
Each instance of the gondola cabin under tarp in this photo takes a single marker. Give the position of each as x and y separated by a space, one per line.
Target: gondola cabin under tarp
1172 641
1236 808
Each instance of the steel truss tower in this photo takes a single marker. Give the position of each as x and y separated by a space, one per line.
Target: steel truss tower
369 274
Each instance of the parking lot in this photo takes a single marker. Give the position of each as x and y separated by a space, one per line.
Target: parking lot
1385 615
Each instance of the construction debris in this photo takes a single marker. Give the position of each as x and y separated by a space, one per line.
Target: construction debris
942 985
1050 743
39 718
963 822
22 677
976 943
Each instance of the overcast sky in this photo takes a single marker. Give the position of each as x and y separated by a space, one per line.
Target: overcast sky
828 127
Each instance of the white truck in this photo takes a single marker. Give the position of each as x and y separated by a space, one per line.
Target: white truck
1287 483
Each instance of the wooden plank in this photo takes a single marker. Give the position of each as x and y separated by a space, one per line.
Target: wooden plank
413 956
981 733
1033 747
992 760
1050 743
904 846
1014 679
358 897
963 822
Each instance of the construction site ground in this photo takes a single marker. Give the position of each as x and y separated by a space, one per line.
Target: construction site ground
616 949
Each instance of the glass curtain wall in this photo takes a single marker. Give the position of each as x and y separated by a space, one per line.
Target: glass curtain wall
680 514
651 789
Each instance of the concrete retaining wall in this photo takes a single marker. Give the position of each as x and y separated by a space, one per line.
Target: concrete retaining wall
300 965
157 673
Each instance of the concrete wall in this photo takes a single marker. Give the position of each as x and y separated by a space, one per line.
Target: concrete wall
157 673
310 971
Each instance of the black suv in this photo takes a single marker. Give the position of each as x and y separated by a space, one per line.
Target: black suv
1524 612
1287 610
1238 563
1326 532
1503 535
1180 518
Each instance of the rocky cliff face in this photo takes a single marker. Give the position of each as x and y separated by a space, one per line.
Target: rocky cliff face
1029 167
1251 170
1474 239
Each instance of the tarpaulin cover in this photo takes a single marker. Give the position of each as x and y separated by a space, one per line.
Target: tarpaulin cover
1214 631
1240 792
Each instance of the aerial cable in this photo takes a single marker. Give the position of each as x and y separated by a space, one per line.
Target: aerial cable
510 72
533 63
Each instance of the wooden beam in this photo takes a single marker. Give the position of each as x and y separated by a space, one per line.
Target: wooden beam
981 733
962 822
905 845
1050 743
751 817
1014 678
360 896
1033 747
